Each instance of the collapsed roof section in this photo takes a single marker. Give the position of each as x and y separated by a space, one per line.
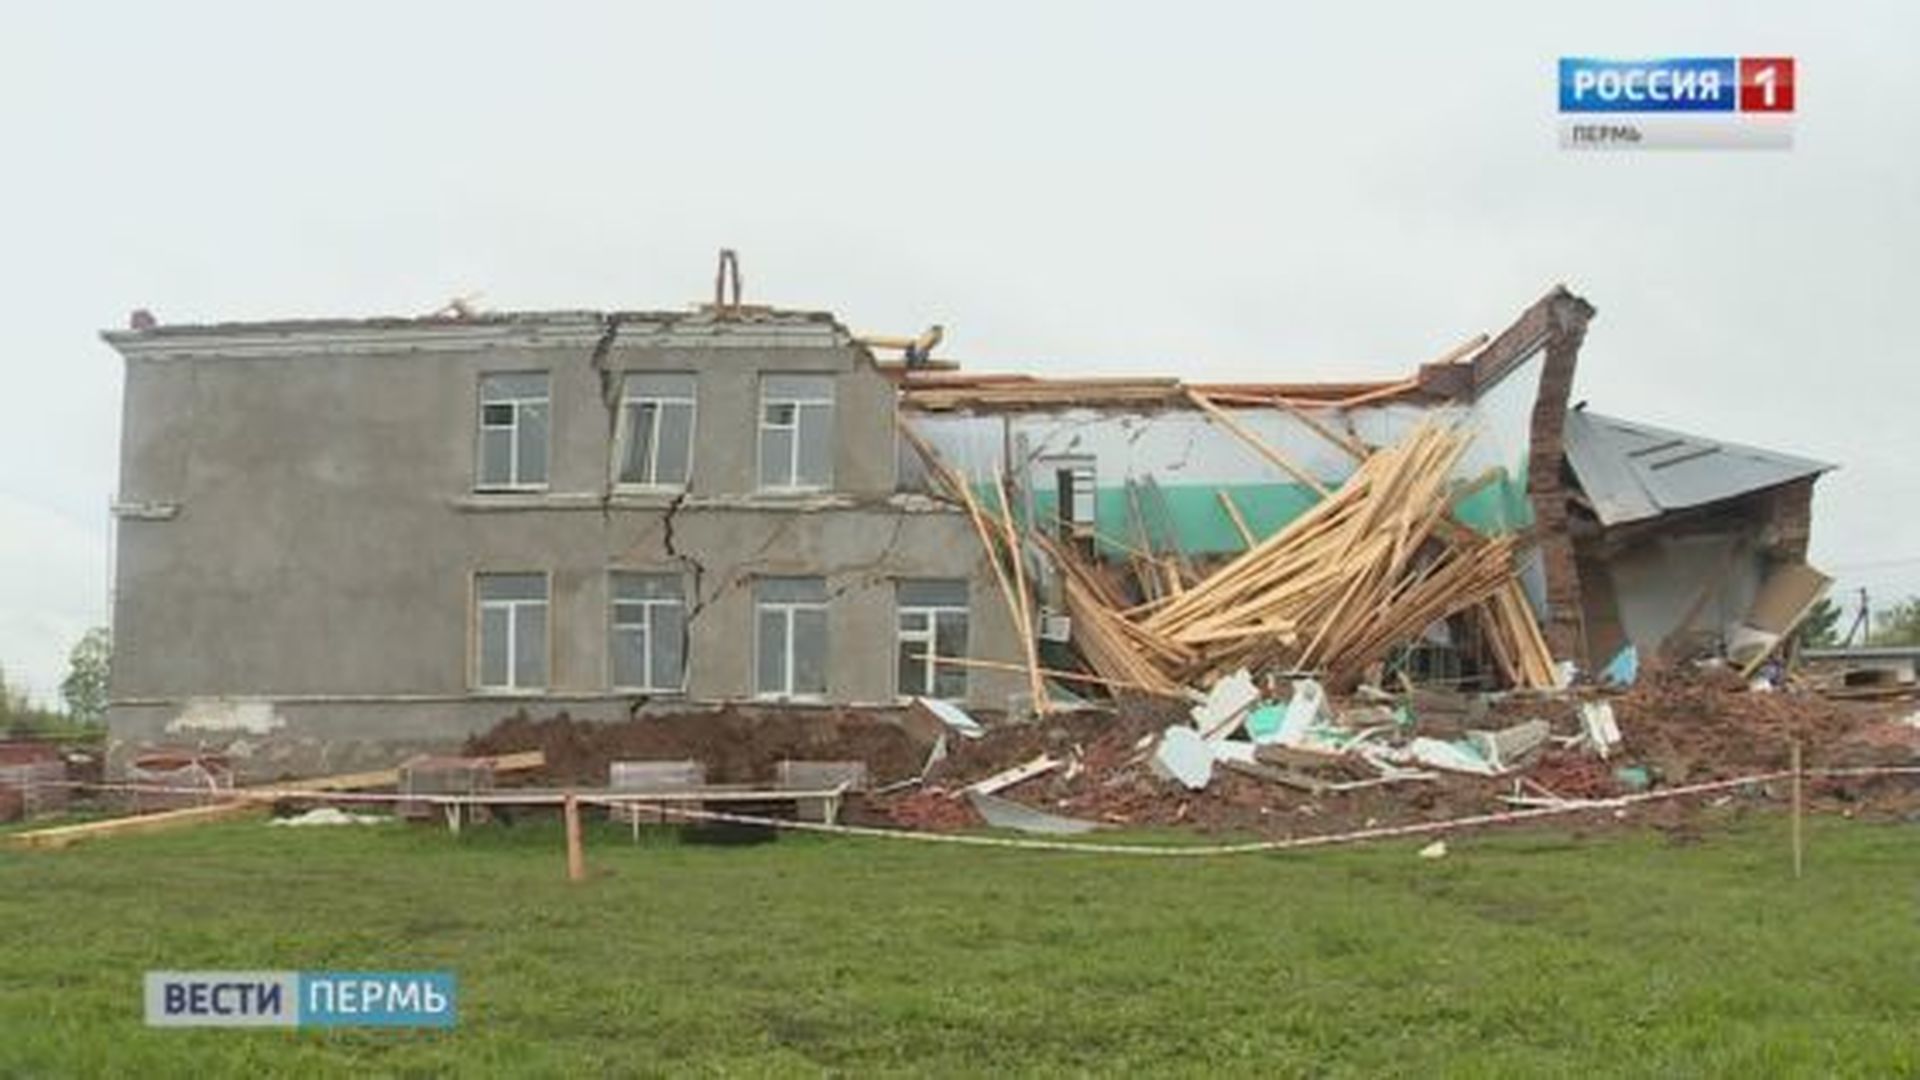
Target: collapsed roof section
1632 472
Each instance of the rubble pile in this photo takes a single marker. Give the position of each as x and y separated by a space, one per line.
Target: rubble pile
1291 760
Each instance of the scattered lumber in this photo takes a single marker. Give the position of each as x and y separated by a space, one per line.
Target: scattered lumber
237 803
60 836
1515 640
1056 673
1007 778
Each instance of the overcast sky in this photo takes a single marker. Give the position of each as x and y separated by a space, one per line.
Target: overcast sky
1228 191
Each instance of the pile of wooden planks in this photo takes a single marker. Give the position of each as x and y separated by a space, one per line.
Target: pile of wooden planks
1366 570
1514 638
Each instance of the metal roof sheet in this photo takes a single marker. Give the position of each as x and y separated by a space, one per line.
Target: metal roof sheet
1632 471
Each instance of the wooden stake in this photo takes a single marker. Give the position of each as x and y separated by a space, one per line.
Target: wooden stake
576 855
1799 806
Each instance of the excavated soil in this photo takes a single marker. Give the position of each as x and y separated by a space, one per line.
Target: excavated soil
736 745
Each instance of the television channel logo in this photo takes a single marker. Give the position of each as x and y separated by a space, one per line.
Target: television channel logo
300 999
1679 103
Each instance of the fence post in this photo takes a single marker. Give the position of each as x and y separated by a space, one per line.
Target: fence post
1799 805
576 856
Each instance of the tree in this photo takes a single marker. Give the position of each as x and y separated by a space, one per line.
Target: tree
1897 625
85 687
1821 628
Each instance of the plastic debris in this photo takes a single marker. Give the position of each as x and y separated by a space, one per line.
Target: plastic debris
1263 723
1634 777
1600 730
1506 748
1183 756
330 815
1226 706
1623 669
1002 813
953 716
1459 756
1307 708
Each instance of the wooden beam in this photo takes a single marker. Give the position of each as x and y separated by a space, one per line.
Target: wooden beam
1233 515
1055 673
520 762
1461 351
1393 390
1259 445
1354 447
240 802
1035 684
61 836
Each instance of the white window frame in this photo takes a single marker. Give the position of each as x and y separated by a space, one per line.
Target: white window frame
480 482
1067 509
614 604
927 639
799 404
787 609
480 607
630 398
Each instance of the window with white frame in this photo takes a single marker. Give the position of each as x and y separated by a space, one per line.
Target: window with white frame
932 624
796 432
513 432
656 430
790 637
649 632
511 628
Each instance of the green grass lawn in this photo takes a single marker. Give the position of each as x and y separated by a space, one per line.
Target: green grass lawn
1519 954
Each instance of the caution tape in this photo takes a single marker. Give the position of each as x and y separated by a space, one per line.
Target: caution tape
663 803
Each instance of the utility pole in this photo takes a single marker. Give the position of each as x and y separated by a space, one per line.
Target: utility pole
1859 624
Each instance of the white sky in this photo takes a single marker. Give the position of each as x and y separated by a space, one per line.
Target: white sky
1228 191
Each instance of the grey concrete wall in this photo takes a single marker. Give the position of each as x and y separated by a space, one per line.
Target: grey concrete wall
1657 583
326 534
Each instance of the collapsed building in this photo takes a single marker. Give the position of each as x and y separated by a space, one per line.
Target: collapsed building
342 542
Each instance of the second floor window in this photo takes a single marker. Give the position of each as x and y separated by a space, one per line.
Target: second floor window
796 432
513 432
656 430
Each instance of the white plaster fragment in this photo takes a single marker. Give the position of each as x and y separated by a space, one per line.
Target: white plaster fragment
251 716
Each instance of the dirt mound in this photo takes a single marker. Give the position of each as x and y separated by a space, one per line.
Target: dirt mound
1692 727
737 745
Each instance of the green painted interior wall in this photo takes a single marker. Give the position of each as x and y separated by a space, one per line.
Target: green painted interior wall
1201 526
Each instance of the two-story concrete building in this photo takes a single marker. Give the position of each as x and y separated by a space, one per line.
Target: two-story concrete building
342 540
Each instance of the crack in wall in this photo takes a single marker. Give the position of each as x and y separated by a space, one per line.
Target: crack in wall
610 399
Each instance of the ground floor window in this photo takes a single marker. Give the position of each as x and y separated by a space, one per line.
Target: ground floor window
790 637
511 631
932 624
649 632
